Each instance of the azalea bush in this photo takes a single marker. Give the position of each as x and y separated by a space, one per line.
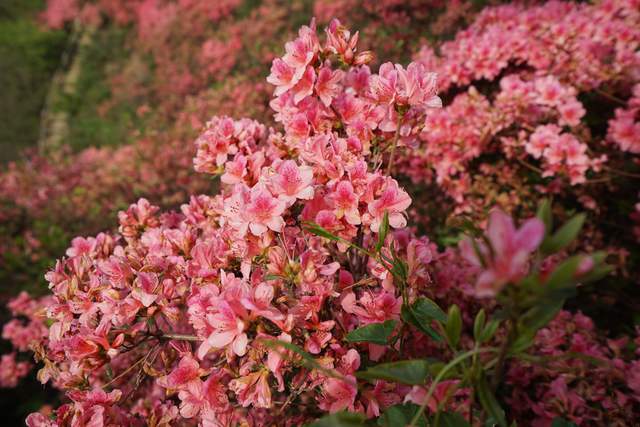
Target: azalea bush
378 243
306 291
525 119
153 73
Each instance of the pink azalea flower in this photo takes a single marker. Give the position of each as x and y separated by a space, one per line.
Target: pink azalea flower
291 182
372 308
187 371
235 170
11 371
260 303
543 137
340 41
276 361
383 84
304 87
571 112
320 337
393 200
282 76
37 419
214 391
328 84
381 397
264 211
416 87
253 389
418 394
301 51
146 288
228 330
550 91
339 394
345 202
215 144
191 399
508 256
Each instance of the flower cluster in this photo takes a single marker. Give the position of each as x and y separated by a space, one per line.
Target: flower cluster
624 128
301 286
560 383
532 113
554 38
234 271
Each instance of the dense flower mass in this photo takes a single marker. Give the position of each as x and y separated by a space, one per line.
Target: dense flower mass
236 270
301 283
535 111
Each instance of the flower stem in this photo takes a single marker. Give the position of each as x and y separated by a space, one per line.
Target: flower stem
180 337
502 355
441 375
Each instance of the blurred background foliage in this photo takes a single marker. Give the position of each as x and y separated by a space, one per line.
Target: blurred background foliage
29 56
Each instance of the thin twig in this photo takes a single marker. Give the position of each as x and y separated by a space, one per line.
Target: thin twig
123 373
609 96
180 337
622 173
529 166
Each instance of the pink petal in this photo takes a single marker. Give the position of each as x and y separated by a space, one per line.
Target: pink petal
501 231
530 235
239 346
220 339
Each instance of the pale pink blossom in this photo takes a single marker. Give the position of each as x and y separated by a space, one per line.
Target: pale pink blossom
394 201
264 211
291 182
507 258
339 394
253 389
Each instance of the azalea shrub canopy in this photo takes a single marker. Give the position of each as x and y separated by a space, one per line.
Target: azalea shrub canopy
338 213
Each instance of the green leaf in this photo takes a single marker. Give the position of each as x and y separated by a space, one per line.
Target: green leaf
532 321
451 419
523 342
565 235
412 372
399 266
377 333
563 277
597 273
489 402
544 215
424 308
401 415
340 419
408 315
540 315
489 330
561 422
314 228
453 328
383 231
436 366
478 324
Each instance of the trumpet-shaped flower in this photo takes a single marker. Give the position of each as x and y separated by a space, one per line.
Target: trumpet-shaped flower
504 259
